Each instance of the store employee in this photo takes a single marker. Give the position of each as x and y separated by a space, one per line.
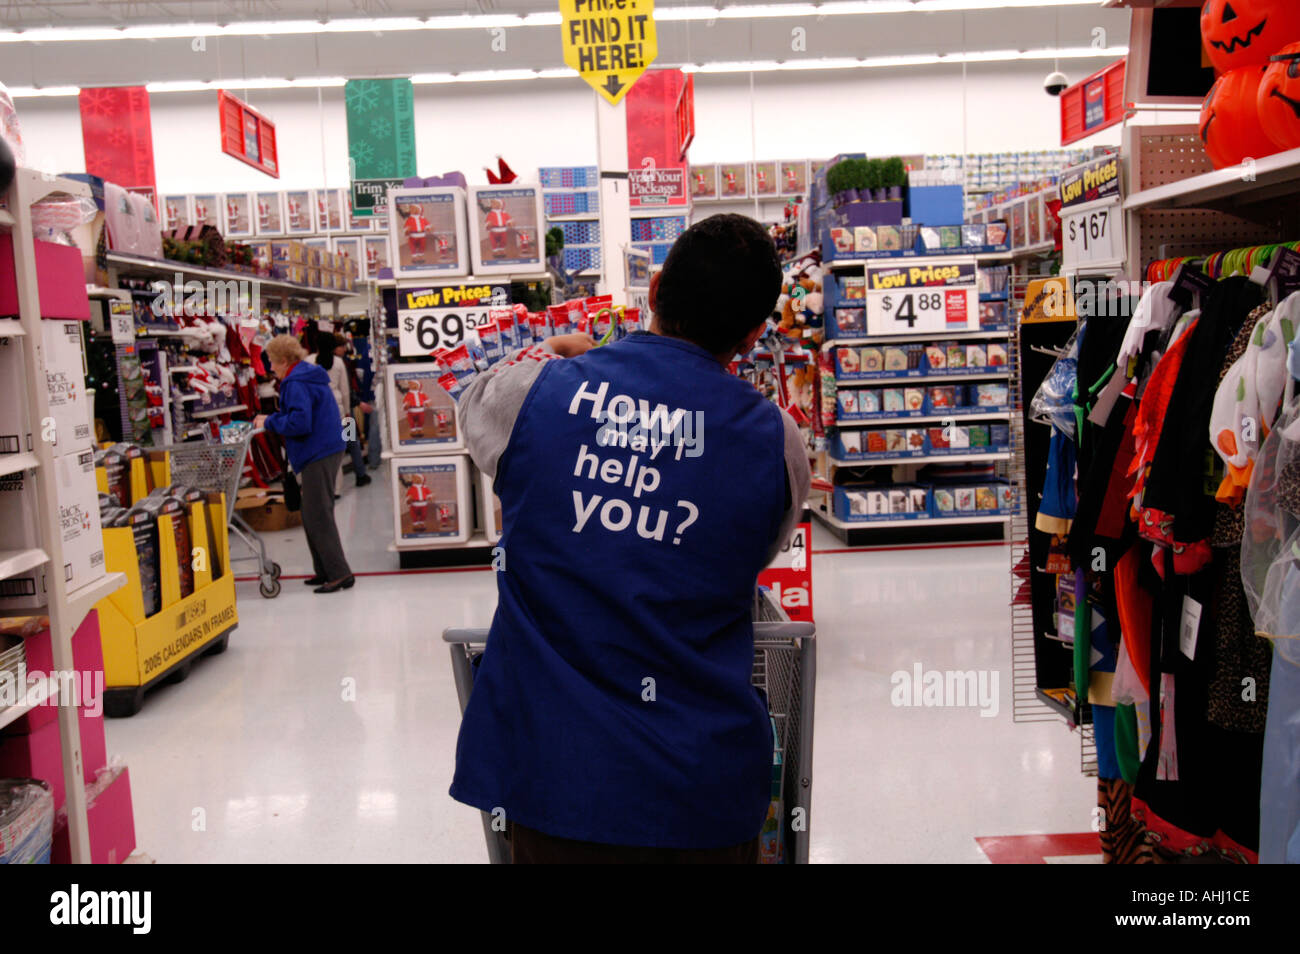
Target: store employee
642 489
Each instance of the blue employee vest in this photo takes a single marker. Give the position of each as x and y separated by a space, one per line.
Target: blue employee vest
640 490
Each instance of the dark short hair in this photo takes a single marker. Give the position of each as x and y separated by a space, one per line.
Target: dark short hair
721 279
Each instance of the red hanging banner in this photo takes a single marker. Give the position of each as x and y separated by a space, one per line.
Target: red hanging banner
657 174
1094 104
686 117
248 135
117 136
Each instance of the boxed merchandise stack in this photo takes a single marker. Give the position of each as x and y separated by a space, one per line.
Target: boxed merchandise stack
571 199
171 541
656 235
436 489
68 430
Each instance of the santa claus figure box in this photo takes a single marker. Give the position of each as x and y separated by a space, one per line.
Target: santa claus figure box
432 498
506 229
427 227
422 417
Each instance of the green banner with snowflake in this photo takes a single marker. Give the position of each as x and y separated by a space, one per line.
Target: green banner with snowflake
381 139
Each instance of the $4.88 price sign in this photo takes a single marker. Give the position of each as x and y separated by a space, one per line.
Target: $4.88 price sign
917 310
920 297
423 331
1093 234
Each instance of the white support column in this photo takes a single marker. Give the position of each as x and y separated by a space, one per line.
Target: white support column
615 210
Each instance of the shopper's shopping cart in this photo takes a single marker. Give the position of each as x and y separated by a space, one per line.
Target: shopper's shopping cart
220 467
785 668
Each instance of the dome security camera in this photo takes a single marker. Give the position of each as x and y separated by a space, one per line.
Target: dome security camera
1056 83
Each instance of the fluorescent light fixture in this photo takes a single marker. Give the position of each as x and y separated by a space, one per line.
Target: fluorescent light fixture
171 31
524 75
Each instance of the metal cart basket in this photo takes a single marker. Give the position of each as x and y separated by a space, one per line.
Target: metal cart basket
785 668
219 468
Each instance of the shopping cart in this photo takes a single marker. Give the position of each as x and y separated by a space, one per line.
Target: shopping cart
219 468
785 668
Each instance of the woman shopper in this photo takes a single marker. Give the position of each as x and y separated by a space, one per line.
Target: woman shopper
313 436
329 356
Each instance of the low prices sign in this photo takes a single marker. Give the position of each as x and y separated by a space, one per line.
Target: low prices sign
442 316
609 42
789 576
658 175
932 297
1092 220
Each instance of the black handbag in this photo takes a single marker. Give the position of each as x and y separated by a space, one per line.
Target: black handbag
292 492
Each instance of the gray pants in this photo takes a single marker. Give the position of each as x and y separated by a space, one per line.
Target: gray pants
317 481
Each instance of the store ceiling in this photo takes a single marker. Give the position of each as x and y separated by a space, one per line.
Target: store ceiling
232 59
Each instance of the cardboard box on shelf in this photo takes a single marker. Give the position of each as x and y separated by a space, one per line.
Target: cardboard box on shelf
19 530
85 688
15 422
37 754
65 380
264 510
110 819
60 280
79 527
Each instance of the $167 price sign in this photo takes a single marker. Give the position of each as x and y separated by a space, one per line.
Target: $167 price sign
1092 234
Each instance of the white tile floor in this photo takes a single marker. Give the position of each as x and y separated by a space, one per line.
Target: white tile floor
257 757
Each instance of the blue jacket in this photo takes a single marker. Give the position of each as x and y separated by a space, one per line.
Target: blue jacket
614 701
308 418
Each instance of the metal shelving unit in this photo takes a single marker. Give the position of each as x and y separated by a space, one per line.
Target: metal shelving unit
120 265
67 608
852 532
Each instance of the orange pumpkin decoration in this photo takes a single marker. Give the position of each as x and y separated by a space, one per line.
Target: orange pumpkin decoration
1279 98
1230 125
1240 33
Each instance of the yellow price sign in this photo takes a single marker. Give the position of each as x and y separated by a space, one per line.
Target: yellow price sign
609 42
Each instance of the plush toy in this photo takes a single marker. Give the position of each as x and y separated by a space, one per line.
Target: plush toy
1279 98
801 301
1241 33
1230 126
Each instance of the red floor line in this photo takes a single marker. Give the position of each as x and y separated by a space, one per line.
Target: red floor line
1034 849
912 546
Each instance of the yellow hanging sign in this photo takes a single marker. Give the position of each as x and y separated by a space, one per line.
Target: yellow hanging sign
609 42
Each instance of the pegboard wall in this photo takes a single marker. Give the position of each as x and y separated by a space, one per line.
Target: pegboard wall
1160 155
1165 154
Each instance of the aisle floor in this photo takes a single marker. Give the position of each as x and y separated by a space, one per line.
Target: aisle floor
327 732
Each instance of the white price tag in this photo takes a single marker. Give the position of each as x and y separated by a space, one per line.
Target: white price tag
121 317
1191 625
921 297
423 331
1093 234
923 310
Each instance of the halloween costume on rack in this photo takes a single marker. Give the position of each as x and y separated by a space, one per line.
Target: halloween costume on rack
1183 689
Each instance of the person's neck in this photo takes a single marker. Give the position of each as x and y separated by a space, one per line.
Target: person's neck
723 359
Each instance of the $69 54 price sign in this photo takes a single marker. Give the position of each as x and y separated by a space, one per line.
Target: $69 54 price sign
423 331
